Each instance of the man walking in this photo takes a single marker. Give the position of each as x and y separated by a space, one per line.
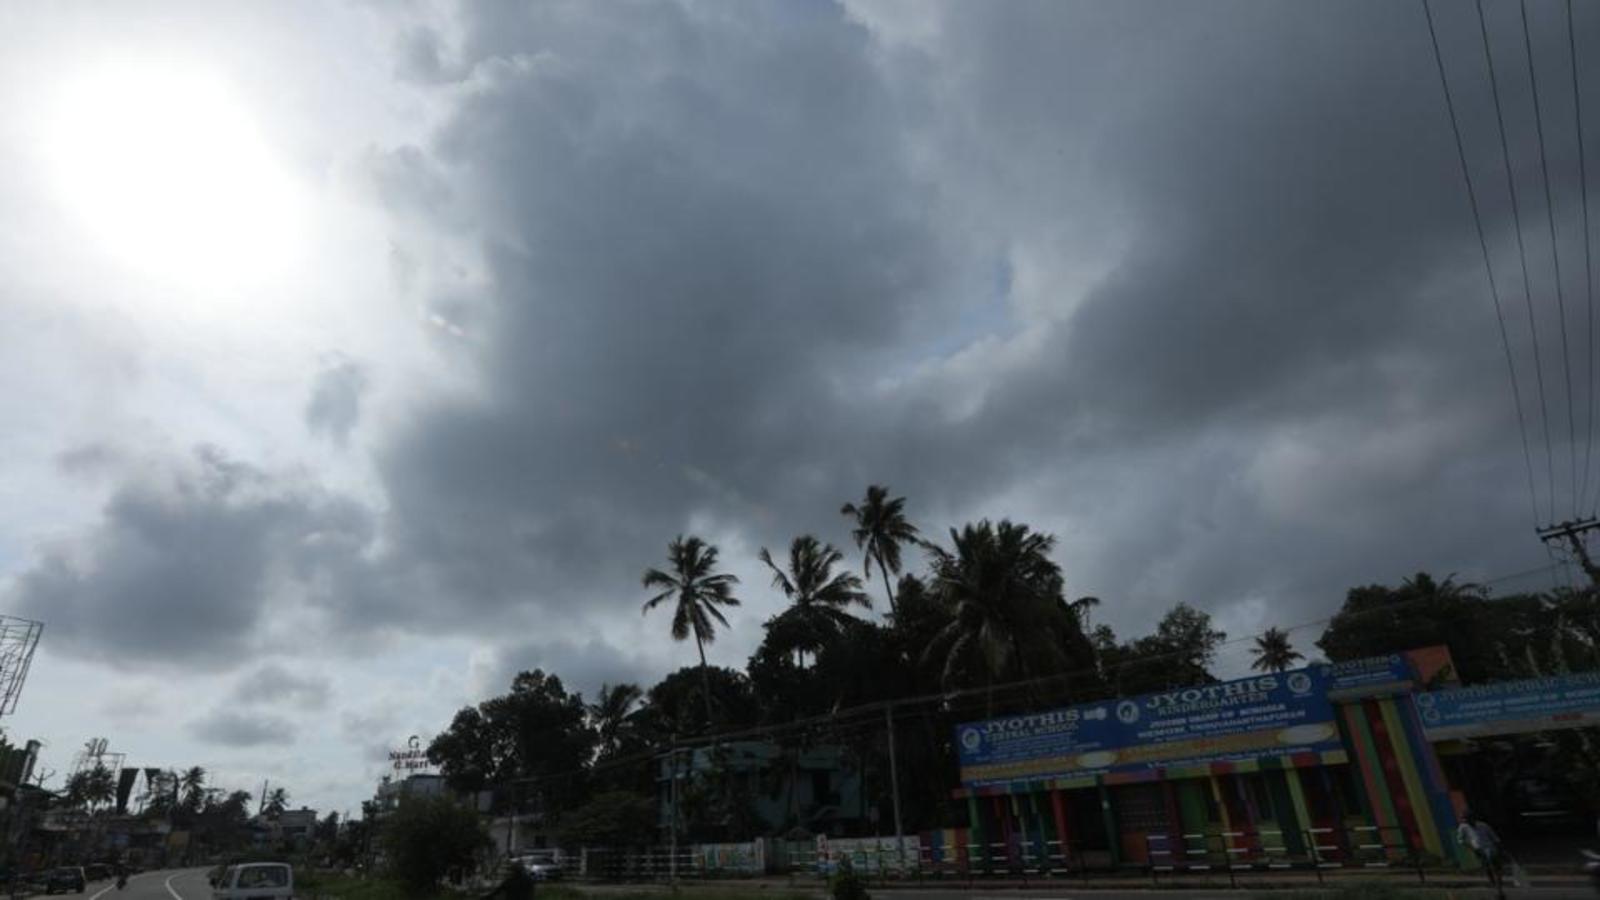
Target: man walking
1476 833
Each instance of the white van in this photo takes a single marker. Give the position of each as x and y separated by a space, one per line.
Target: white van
255 881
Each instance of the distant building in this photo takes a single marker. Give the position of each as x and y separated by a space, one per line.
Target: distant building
390 792
816 790
292 826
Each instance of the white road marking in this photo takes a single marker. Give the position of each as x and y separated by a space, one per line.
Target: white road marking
170 889
100 893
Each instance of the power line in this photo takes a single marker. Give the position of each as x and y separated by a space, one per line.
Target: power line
1522 255
1588 255
1488 264
1555 256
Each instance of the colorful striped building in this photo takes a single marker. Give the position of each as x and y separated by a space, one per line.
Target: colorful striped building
1329 765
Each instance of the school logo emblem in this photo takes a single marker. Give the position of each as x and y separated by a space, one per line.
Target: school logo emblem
1300 683
1127 712
971 739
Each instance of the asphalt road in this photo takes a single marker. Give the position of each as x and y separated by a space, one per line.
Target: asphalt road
163 884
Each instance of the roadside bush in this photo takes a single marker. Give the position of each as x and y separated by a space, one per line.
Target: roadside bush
846 884
427 838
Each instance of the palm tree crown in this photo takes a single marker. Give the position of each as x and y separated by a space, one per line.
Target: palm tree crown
697 589
1273 652
193 785
612 712
820 596
277 802
881 529
1003 590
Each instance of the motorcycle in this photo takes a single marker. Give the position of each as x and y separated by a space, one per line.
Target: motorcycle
122 881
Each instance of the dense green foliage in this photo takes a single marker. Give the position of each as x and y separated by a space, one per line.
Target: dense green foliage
615 819
428 838
525 738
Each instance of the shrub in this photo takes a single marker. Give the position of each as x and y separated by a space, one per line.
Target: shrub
428 837
846 884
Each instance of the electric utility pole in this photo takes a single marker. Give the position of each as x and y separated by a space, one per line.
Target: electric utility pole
894 786
1571 532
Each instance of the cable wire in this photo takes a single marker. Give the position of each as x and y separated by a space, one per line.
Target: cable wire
1588 254
1522 255
1488 264
1555 258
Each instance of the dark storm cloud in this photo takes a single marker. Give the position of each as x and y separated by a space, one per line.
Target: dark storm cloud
197 562
276 684
335 404
1194 286
234 728
90 460
718 272
695 257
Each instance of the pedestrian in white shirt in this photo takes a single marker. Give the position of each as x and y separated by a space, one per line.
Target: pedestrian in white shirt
1476 833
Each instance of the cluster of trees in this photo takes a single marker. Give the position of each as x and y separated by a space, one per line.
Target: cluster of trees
984 627
217 820
988 609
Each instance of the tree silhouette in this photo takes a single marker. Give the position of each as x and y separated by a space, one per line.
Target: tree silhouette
277 802
697 589
92 788
1004 594
819 596
1273 652
881 529
192 785
612 714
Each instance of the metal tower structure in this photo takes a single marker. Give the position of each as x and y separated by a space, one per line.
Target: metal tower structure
18 638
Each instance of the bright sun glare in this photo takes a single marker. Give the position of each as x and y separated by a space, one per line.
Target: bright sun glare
168 173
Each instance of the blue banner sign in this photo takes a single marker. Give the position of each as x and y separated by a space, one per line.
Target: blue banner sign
1370 677
1512 707
1263 715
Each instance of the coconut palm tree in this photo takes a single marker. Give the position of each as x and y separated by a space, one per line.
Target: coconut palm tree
1004 593
192 784
277 802
612 714
697 589
92 788
881 530
1273 652
820 596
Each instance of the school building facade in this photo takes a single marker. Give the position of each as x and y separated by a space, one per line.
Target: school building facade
1328 765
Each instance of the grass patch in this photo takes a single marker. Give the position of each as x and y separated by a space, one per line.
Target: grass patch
1369 890
347 887
696 892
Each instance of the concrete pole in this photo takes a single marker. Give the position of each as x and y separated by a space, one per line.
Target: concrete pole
672 857
894 785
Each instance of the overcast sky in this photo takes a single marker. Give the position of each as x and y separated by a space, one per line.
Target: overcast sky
356 356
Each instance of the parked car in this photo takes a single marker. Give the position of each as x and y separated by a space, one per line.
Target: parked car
66 880
540 866
255 881
97 872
